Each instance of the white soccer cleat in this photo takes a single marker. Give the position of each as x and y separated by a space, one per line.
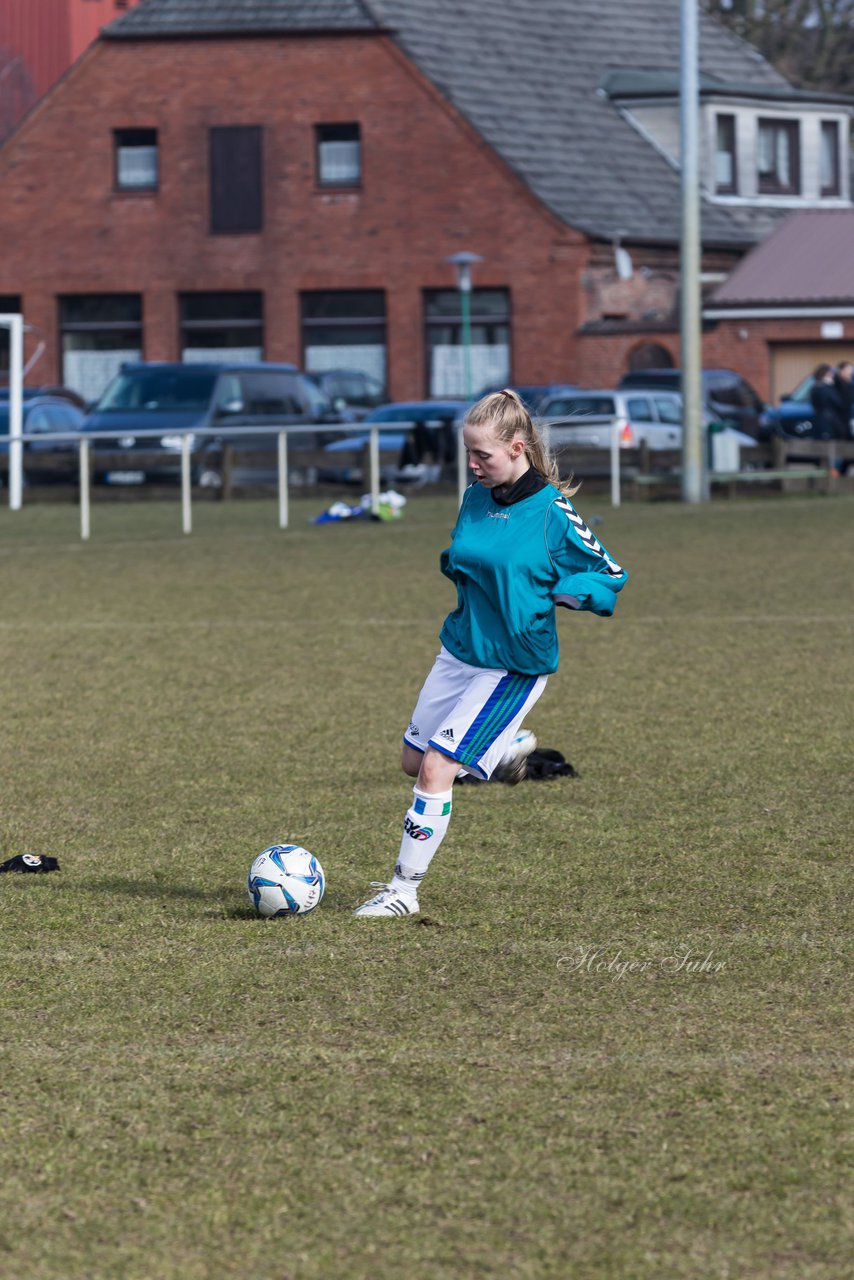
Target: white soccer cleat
513 765
388 902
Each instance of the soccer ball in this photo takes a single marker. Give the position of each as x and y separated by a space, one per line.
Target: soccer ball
285 880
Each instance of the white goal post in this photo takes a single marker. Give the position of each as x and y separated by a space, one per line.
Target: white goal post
15 325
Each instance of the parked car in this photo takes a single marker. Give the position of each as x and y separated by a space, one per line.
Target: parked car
653 418
433 436
350 389
531 396
44 459
62 393
587 418
229 399
727 397
792 418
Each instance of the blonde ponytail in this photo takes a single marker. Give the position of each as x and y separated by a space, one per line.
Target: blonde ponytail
508 415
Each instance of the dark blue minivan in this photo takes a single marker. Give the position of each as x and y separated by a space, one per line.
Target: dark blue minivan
219 402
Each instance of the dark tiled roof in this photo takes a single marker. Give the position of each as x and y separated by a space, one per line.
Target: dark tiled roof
224 17
809 260
529 77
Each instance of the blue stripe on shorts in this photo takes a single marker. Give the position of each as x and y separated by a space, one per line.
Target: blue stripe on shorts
503 705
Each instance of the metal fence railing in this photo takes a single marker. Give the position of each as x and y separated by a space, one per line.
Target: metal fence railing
85 439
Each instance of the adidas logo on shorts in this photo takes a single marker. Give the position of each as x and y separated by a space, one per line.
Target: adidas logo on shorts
448 734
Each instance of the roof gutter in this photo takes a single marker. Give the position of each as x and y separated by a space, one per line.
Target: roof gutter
230 33
794 312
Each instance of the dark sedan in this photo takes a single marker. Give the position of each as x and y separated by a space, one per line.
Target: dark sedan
45 459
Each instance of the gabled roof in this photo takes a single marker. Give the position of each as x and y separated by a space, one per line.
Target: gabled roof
528 77
807 262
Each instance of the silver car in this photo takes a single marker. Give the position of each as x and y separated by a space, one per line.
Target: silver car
653 418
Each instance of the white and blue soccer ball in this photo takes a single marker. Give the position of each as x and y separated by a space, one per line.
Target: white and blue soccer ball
285 880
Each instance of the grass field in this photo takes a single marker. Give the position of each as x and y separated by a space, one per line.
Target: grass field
614 1045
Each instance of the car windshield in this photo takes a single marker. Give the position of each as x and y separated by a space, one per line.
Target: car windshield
579 407
158 390
802 391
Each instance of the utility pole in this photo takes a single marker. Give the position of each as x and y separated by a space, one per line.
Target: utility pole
694 481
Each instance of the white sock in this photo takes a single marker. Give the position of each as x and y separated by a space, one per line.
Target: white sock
424 830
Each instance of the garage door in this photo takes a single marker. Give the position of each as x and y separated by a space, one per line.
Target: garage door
792 361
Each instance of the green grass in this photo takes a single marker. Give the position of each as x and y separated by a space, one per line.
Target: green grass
190 1093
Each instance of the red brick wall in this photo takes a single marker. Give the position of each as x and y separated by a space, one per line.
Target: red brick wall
430 188
604 358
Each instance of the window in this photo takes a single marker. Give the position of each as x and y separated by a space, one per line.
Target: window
345 329
778 157
339 155
489 352
261 394
669 411
359 390
153 389
236 180
726 182
640 410
98 334
579 407
221 326
48 419
136 159
64 417
830 184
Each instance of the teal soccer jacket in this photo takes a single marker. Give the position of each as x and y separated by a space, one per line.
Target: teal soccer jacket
512 565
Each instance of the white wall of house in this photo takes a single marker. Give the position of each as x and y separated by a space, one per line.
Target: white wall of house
658 122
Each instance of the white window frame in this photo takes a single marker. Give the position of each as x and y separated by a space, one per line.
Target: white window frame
747 116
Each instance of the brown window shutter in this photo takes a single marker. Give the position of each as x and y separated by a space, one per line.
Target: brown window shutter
236 179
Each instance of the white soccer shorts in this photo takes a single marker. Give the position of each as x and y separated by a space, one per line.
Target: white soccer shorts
471 714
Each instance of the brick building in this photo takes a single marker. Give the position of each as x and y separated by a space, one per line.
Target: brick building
789 304
287 180
39 40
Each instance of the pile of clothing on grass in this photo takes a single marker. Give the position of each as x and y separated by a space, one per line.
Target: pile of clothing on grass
389 507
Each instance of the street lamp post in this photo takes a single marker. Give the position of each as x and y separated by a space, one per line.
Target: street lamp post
694 480
464 262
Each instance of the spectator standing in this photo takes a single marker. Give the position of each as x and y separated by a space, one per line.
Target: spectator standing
828 412
844 381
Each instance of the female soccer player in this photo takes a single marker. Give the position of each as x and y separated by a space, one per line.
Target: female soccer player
519 548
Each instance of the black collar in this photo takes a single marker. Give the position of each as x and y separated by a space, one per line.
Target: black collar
529 483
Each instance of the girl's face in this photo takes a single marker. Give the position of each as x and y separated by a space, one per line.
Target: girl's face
493 461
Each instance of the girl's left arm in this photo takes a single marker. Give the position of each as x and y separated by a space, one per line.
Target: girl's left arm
587 576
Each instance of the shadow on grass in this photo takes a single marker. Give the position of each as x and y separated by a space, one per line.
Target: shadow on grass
329 903
225 896
218 893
